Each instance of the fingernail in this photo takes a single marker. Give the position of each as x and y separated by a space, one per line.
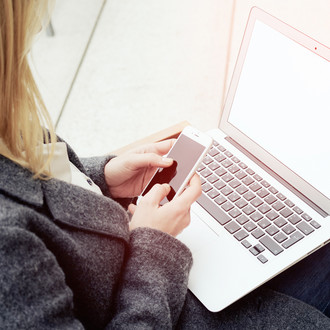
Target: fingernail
167 160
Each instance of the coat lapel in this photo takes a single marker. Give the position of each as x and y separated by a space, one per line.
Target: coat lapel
68 204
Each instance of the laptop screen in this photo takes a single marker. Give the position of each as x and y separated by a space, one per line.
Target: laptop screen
282 104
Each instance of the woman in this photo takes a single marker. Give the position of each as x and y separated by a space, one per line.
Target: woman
70 255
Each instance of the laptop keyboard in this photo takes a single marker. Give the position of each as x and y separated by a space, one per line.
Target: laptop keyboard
247 206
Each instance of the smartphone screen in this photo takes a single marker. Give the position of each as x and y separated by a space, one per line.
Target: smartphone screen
185 154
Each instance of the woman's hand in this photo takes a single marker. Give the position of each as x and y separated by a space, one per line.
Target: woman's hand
170 218
127 174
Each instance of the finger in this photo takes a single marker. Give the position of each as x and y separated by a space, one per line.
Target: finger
138 161
132 208
159 148
192 192
157 193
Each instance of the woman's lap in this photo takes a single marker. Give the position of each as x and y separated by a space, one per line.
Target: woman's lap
308 280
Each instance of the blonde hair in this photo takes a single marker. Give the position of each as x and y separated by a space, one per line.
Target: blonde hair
23 115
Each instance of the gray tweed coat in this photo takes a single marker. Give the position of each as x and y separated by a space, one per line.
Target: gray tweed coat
68 261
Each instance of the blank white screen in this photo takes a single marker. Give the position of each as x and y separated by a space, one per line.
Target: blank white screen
282 102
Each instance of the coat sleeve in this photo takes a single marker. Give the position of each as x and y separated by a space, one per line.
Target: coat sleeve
94 167
154 282
33 292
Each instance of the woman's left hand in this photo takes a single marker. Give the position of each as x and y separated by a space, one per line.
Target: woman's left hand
127 174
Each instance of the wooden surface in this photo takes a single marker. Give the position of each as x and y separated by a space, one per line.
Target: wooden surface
168 133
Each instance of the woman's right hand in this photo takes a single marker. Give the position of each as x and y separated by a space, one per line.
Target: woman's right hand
170 218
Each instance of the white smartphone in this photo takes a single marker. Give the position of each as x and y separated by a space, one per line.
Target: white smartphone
187 153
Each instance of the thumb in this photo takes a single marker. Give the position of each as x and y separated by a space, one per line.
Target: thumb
157 193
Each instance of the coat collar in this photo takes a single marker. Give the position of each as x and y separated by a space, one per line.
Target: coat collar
68 204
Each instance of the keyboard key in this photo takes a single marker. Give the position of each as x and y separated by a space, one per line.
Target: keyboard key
242 189
262 193
226 163
264 223
235 159
258 233
242 165
281 197
220 200
286 212
213 193
280 237
278 206
270 199
246 243
272 230
221 148
213 166
201 168
280 222
240 235
259 248
264 208
272 215
256 202
219 158
294 238
219 185
289 203
213 152
250 226
207 160
273 190
205 173
247 180
271 245
265 183
248 209
228 154
255 186
234 213
233 169
213 209
294 219
226 191
212 178
298 210
242 219
254 251
240 203
288 229
257 177
240 175
250 171
227 206
206 187
306 217
227 177
249 195
233 197
262 258
234 183
256 216
232 227
221 171
315 224
305 228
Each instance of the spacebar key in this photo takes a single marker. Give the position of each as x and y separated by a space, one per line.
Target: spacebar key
213 209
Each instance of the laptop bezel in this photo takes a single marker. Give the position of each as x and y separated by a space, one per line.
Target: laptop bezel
271 162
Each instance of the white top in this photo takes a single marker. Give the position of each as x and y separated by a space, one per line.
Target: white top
62 169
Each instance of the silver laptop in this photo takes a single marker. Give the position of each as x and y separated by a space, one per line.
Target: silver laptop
266 181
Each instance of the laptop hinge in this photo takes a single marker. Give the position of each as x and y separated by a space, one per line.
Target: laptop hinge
278 178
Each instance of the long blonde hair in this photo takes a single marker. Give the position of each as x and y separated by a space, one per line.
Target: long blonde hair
23 115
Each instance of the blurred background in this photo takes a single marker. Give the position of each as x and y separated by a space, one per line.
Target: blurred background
118 70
